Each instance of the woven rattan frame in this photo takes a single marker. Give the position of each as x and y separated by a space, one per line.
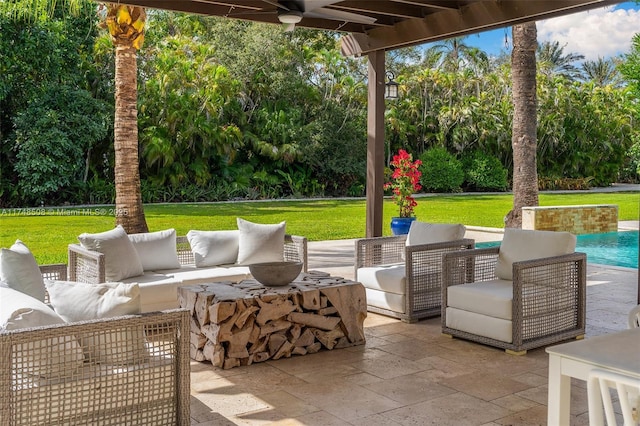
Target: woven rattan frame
154 389
423 265
542 291
89 266
54 272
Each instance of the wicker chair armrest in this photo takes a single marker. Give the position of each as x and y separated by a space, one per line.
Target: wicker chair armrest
521 266
183 250
468 266
86 265
549 295
550 273
57 271
380 251
295 250
447 246
427 258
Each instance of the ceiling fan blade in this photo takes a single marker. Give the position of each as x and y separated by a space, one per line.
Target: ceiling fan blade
339 15
246 13
310 5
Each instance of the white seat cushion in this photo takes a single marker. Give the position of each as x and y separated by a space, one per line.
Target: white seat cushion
159 295
388 278
152 277
492 298
191 275
385 300
521 244
481 325
157 291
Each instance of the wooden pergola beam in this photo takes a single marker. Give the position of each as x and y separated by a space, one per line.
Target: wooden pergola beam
473 18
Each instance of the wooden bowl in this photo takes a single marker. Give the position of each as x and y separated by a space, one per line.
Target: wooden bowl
275 274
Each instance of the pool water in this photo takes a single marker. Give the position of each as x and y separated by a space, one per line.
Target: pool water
611 248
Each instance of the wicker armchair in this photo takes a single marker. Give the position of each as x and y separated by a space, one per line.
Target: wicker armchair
516 302
152 389
403 281
83 373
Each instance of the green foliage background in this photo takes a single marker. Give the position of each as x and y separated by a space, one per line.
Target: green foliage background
231 110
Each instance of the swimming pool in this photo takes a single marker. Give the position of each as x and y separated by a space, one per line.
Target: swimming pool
611 248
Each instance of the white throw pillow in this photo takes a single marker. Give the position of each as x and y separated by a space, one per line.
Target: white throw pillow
156 250
50 357
20 271
260 243
75 301
121 258
523 244
429 233
211 248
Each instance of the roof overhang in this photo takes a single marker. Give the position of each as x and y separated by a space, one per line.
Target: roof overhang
474 17
373 25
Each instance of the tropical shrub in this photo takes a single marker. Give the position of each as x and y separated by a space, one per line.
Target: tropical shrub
53 135
484 172
631 171
441 171
557 183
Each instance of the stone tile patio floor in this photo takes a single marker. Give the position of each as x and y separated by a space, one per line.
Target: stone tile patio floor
405 374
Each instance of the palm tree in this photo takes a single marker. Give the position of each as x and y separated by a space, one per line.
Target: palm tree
453 54
523 137
601 72
553 61
126 26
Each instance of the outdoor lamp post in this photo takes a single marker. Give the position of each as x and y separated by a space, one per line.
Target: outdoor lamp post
390 87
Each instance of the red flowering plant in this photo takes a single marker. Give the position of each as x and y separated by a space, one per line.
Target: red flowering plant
405 182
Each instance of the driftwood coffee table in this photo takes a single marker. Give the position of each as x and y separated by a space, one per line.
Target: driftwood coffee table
241 323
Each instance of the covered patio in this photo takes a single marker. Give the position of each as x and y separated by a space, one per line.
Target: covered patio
405 374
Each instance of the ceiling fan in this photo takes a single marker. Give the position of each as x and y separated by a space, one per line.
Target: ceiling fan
291 12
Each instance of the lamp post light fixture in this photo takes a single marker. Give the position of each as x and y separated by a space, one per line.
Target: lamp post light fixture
390 87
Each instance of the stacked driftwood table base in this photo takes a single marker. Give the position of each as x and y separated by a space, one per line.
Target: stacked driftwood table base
241 323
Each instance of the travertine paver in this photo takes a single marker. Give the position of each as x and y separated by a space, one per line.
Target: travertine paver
405 374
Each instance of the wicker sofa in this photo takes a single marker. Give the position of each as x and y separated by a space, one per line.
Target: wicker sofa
49 374
158 287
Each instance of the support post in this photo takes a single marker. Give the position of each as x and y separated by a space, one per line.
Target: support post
375 143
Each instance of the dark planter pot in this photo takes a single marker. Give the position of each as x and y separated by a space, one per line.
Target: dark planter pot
401 225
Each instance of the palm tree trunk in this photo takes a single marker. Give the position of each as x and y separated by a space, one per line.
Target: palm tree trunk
129 211
523 137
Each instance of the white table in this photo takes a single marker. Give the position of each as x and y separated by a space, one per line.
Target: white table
618 352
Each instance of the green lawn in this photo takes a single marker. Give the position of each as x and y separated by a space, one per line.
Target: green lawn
48 235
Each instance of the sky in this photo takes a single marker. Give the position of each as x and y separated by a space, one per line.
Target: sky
603 32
